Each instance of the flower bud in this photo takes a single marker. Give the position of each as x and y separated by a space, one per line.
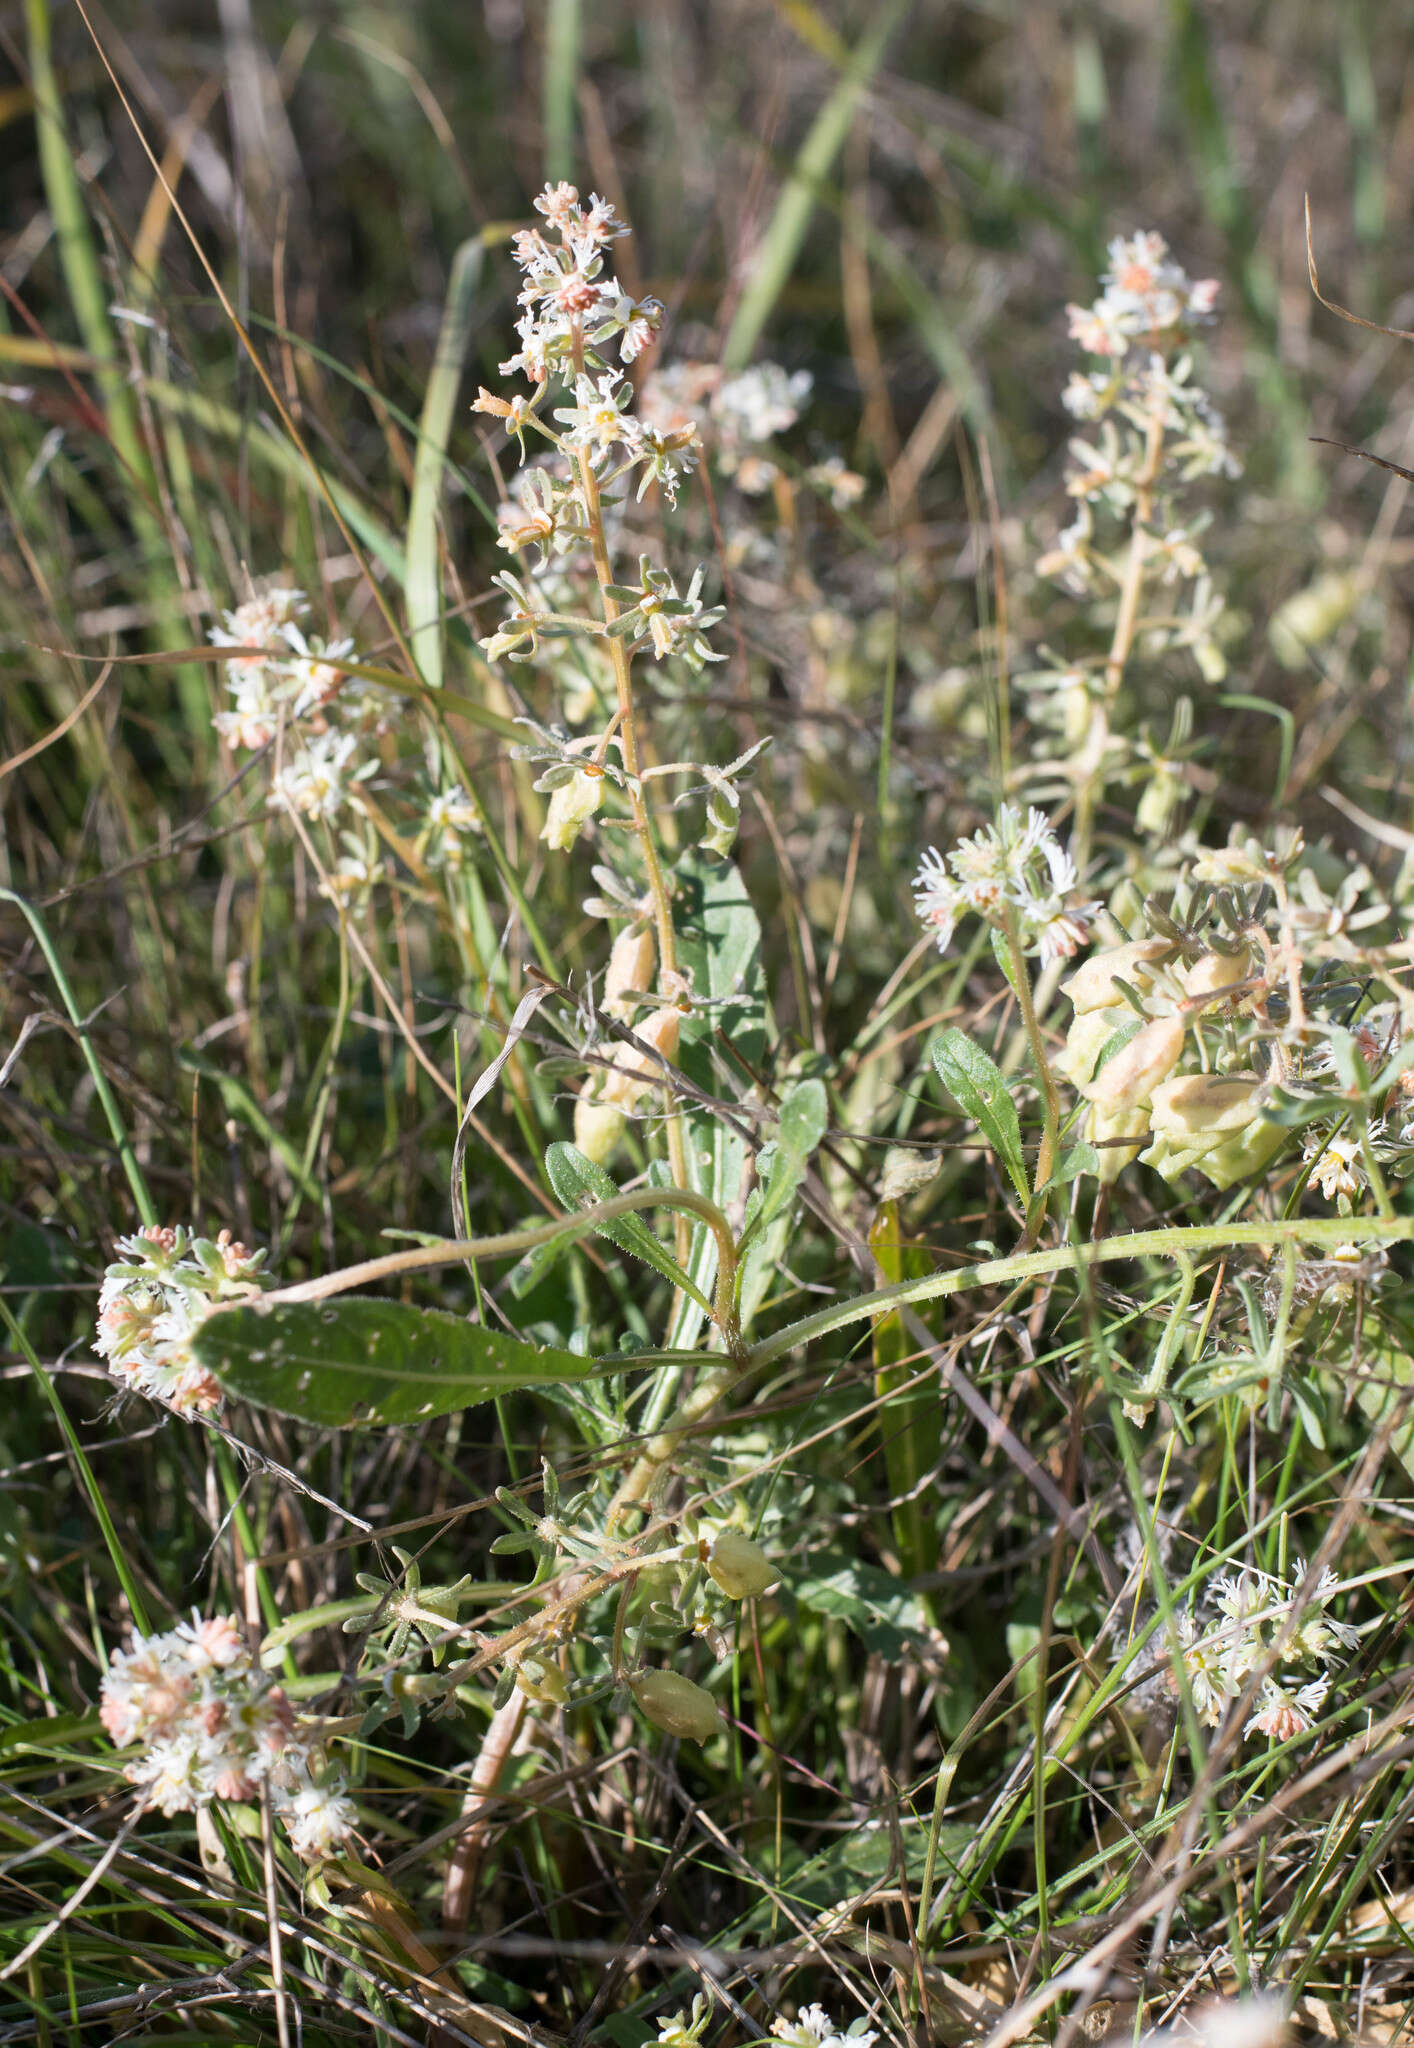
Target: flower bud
631 1074
630 969
675 1704
740 1567
598 1126
1092 986
1211 973
1132 1074
572 805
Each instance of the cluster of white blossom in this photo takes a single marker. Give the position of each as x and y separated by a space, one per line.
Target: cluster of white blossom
571 312
811 2028
294 686
1147 298
1253 1609
738 416
283 672
1155 431
1008 872
213 1726
155 1297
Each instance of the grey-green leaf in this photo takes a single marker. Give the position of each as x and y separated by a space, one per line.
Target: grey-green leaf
978 1086
803 1121
579 1183
342 1364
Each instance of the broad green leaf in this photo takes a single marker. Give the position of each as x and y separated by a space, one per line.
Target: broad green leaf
978 1087
579 1183
364 1363
803 1120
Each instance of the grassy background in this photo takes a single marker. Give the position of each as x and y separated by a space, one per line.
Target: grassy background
913 246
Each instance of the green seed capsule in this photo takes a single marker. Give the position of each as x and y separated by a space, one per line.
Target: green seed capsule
677 1705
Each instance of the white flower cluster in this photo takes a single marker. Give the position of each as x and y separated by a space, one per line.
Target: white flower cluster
1147 297
1007 870
813 2028
570 311
1156 431
155 1297
738 415
1254 1607
298 680
213 1726
291 673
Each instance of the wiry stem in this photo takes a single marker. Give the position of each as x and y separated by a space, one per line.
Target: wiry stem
1090 766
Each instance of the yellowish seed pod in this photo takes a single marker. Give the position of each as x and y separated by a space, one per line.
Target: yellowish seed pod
1212 973
676 1705
1134 1072
631 1073
740 1567
1092 986
1125 1123
598 1126
543 1683
630 969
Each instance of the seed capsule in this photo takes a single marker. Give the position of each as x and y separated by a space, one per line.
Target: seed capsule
740 1567
676 1705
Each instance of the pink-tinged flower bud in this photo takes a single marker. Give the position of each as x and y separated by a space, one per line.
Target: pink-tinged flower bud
572 805
1132 1074
676 1705
632 1073
598 1126
740 1567
1213 973
1092 986
630 970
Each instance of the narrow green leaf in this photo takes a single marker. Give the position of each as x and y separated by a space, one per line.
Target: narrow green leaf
977 1085
804 1117
1075 1161
424 591
341 1364
780 245
579 1183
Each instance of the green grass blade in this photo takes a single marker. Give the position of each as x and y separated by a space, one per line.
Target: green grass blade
424 597
781 243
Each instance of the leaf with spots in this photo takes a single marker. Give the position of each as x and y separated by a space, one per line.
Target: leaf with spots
371 1364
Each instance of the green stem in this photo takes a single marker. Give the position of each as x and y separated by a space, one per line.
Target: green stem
116 1550
1049 1154
146 1208
1142 1244
512 1243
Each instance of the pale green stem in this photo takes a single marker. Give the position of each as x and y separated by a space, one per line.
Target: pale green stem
1142 1244
1047 1157
145 1206
452 1252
